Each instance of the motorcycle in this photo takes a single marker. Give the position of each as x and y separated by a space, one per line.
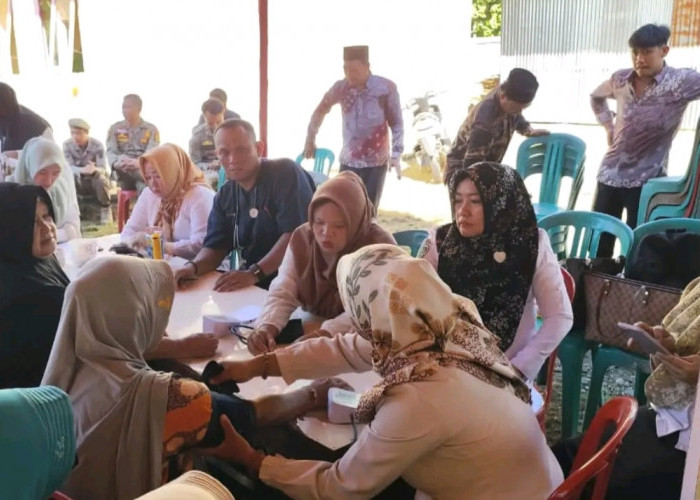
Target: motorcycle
432 144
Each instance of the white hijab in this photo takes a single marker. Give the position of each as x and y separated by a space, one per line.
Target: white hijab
116 310
39 153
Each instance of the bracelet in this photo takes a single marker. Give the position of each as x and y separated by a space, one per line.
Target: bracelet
194 264
265 363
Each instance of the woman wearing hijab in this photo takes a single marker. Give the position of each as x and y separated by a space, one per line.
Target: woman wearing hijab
42 163
340 222
177 202
494 254
38 442
449 415
133 423
651 459
32 284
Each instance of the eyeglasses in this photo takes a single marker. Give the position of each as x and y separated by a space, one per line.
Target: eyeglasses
235 330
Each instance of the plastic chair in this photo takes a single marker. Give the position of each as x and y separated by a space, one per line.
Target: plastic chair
554 156
222 178
323 160
588 227
593 461
412 238
607 356
670 192
542 413
123 209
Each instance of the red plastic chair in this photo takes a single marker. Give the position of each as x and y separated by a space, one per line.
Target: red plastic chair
570 285
123 206
593 461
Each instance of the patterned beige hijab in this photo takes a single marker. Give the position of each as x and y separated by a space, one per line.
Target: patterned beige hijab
415 324
683 323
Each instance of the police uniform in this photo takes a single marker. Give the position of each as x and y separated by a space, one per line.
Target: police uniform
96 184
122 139
203 152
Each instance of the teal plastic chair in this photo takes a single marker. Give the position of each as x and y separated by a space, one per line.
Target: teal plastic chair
587 228
412 238
554 156
323 160
608 356
671 196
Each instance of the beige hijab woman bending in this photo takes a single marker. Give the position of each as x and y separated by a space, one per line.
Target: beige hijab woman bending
450 413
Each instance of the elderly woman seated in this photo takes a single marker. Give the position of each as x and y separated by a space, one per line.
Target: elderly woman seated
134 425
177 202
450 414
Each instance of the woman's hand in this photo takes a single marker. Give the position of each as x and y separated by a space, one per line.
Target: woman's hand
238 371
236 449
199 345
262 339
683 368
659 333
323 385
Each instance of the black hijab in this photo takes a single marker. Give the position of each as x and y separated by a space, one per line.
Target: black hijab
471 267
21 274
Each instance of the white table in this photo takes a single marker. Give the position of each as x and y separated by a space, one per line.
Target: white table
186 318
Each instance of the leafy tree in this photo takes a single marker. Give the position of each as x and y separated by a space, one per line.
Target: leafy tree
486 17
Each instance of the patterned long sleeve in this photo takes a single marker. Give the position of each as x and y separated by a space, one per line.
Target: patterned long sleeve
599 102
394 118
331 98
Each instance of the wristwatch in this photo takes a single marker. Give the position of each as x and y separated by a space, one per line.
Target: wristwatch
257 272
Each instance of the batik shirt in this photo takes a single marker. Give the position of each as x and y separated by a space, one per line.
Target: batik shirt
485 134
644 125
78 157
368 113
132 142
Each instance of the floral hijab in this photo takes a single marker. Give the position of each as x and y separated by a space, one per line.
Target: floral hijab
494 269
683 323
415 324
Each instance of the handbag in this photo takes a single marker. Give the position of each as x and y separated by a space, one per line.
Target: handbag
610 299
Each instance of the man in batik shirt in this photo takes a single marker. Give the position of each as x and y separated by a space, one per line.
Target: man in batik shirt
651 98
486 133
370 106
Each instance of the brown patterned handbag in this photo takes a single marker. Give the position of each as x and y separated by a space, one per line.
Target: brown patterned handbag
610 299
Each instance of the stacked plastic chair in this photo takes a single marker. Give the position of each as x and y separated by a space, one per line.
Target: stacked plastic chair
412 238
554 156
665 197
587 228
607 356
323 161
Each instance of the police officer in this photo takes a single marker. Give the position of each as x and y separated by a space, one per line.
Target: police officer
202 150
86 157
127 140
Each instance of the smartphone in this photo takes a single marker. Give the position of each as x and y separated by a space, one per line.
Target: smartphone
642 340
292 331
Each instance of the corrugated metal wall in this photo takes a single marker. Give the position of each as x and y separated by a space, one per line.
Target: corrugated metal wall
574 45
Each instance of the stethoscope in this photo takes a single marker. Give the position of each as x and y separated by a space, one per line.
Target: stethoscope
253 213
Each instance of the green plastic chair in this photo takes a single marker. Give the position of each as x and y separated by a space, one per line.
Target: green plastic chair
608 356
222 178
587 228
323 160
554 156
669 196
412 238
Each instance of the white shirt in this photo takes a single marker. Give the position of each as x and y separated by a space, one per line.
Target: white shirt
189 228
548 297
70 226
283 299
451 436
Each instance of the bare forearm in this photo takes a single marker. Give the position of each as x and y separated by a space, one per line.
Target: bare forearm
166 348
278 408
208 259
271 262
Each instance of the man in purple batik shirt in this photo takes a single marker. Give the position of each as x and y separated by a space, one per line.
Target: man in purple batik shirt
370 107
651 99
